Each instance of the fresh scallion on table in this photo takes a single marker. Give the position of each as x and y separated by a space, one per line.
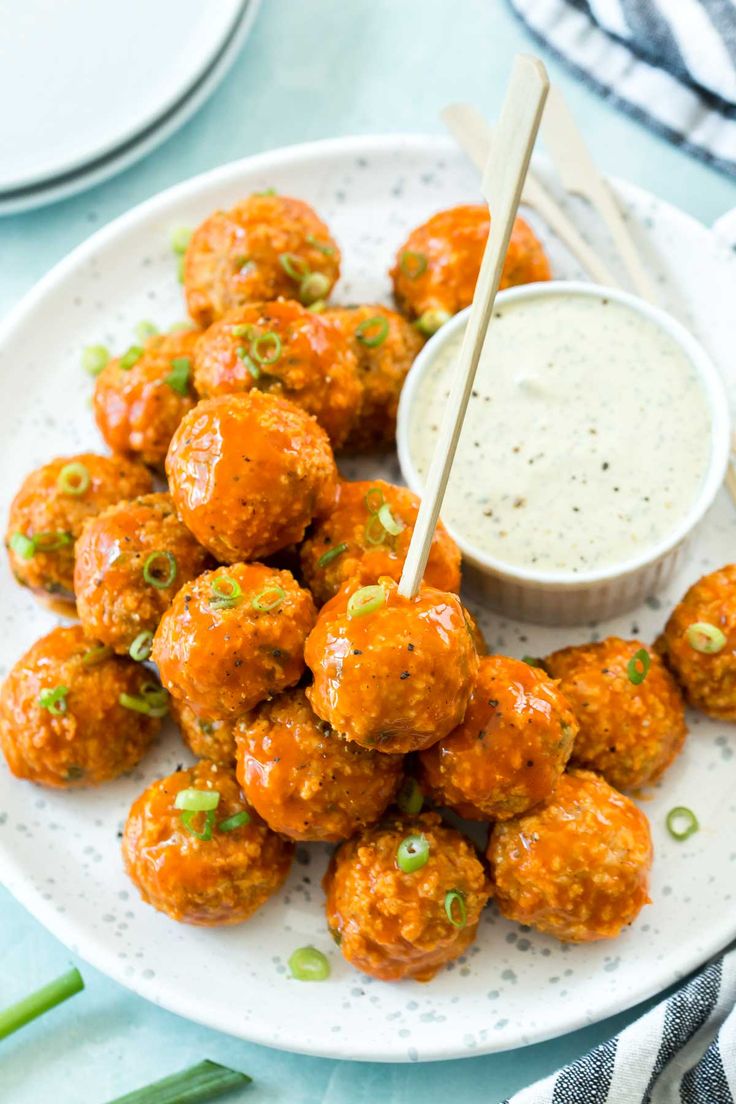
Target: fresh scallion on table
202 1082
43 1000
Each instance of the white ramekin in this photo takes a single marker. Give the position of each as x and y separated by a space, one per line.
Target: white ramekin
559 598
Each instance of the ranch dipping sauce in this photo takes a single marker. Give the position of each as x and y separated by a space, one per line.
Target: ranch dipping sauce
586 441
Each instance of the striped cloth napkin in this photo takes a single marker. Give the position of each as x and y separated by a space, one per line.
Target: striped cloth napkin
683 1051
669 63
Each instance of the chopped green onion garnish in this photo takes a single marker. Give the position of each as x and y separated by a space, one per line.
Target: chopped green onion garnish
43 1000
195 1085
54 700
317 306
266 348
203 833
152 700
372 332
266 192
180 238
97 655
431 321
410 797
331 554
374 533
180 269
242 329
412 853
237 820
533 661
159 569
309 964
140 649
412 264
130 357
23 546
94 359
373 500
73 479
638 666
455 908
144 330
323 247
270 598
366 600
52 541
705 638
226 592
294 266
178 377
682 823
392 525
314 287
250 364
197 801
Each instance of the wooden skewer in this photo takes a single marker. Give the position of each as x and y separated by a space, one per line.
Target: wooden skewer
579 174
473 134
503 181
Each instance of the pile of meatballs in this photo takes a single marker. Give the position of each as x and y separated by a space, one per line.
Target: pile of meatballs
255 601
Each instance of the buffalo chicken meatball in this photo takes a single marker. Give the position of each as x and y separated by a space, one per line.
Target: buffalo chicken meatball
248 473
437 266
49 510
196 852
699 644
385 346
285 349
130 561
511 747
73 714
266 247
232 638
629 708
405 897
391 673
206 738
366 535
141 396
578 866
306 782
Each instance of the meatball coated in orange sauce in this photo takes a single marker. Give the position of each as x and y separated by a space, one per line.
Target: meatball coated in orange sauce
699 644
391 924
630 731
232 638
141 397
205 868
248 473
62 721
385 346
511 748
305 781
207 739
391 673
352 542
285 349
267 246
48 512
437 266
578 866
130 561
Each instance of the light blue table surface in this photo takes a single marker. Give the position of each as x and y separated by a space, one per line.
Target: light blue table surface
310 70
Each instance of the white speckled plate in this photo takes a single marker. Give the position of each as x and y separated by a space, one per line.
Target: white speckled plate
59 853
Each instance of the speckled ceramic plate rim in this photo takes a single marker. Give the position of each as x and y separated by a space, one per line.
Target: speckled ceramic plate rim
94 949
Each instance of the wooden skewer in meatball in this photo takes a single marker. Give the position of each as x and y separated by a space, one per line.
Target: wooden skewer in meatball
73 714
49 510
266 247
198 853
248 473
141 396
287 350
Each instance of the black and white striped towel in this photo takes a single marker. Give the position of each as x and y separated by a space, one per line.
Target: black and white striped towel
683 1051
669 63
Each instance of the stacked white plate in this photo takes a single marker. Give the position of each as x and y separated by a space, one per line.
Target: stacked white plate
90 87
